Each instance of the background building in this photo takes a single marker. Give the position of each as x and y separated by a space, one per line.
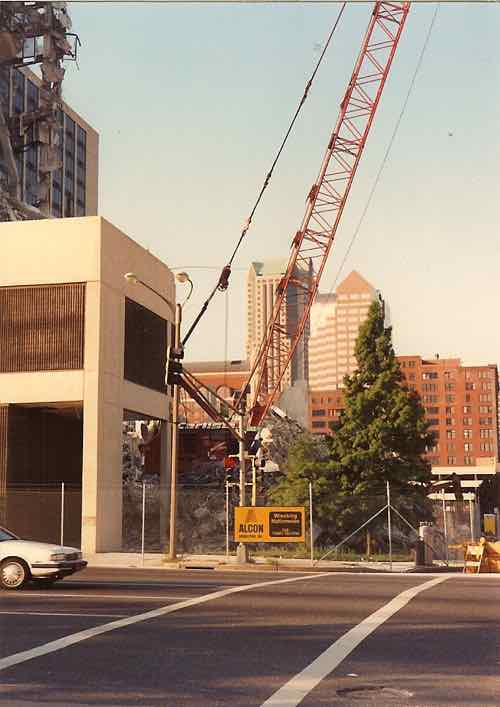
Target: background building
461 405
226 378
66 182
263 280
335 322
81 350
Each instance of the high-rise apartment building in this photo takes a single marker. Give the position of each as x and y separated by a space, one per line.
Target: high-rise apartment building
72 187
263 280
460 402
335 322
461 406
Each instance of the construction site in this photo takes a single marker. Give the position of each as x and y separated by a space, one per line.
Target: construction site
45 174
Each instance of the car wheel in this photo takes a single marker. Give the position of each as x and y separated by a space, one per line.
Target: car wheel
14 573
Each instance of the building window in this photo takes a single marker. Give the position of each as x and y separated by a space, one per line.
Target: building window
432 411
450 434
469 461
486 433
467 434
318 413
411 364
449 386
467 421
450 447
468 447
470 386
450 411
318 424
485 420
450 421
485 398
452 460
430 398
486 447
485 409
429 375
429 387
411 376
467 409
433 421
450 398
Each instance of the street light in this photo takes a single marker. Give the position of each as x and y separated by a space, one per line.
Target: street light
181 277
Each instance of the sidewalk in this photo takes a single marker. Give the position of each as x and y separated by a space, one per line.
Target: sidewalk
157 561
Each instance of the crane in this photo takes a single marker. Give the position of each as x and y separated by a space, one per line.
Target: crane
325 202
313 241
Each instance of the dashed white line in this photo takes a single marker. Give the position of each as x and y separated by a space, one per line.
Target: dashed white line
59 613
295 690
121 597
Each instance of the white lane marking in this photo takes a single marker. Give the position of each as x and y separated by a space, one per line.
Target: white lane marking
73 638
293 692
122 597
58 613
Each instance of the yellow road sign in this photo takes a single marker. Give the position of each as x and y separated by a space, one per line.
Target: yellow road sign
269 524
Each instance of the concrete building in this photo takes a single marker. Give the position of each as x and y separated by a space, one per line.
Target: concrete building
80 351
73 187
262 282
335 322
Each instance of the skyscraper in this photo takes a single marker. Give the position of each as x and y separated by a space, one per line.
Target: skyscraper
262 282
66 186
335 322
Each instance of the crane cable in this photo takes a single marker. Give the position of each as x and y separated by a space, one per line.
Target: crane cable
223 282
389 146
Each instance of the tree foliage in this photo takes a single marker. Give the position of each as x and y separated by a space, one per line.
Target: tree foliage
382 436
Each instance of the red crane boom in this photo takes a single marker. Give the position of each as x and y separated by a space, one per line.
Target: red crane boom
325 202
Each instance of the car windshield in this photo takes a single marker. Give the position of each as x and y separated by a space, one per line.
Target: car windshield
7 535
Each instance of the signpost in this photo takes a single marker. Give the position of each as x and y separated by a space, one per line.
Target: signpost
270 524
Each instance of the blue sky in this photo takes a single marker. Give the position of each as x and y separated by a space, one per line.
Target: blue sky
191 102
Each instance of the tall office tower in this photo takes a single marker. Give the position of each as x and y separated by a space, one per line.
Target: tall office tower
335 322
59 183
263 280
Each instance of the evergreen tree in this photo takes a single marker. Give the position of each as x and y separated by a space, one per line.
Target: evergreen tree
382 436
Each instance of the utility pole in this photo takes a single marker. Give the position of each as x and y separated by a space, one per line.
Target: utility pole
242 552
172 548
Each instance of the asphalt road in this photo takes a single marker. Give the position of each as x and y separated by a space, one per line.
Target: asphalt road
246 644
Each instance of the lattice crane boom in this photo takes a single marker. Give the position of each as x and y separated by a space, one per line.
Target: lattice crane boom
326 200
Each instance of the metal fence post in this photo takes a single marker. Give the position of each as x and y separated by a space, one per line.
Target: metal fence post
143 521
389 524
311 521
227 518
472 515
445 529
62 513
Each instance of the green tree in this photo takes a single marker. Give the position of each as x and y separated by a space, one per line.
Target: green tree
382 436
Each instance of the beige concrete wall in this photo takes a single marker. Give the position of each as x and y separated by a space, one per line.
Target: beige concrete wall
41 387
91 250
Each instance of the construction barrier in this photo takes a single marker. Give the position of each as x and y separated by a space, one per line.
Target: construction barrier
482 557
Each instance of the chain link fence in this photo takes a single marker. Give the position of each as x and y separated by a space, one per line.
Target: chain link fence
44 512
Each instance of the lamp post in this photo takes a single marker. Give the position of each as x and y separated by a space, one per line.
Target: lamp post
181 277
